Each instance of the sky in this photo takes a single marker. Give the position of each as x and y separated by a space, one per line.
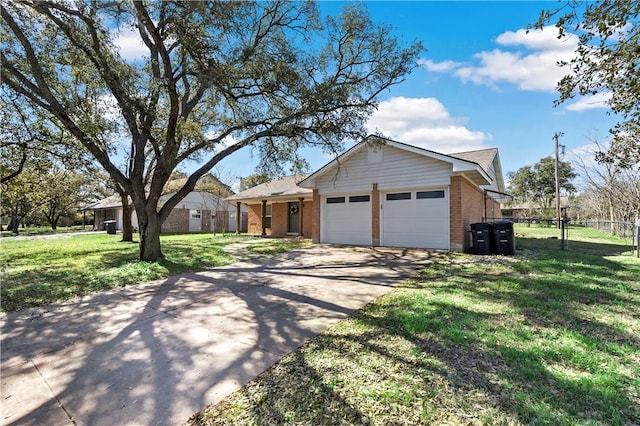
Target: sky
481 82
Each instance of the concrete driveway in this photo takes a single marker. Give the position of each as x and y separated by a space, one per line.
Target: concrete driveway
155 353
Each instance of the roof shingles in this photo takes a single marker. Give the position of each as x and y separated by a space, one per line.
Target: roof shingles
282 187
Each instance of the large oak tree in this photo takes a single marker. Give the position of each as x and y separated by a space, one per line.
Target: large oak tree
536 184
215 77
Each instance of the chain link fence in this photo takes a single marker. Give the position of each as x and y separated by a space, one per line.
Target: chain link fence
628 231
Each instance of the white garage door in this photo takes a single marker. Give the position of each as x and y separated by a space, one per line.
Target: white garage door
346 219
415 219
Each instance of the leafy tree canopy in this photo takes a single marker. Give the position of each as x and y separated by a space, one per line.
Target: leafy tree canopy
216 76
537 183
606 62
253 180
32 139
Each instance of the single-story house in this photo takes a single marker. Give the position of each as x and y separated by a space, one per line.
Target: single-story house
382 193
198 211
280 207
532 210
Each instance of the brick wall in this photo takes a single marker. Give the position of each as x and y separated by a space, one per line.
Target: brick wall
466 205
493 209
375 215
178 221
254 219
279 218
205 220
221 221
307 219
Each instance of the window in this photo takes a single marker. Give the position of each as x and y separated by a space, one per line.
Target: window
359 199
399 196
421 195
195 214
335 200
267 216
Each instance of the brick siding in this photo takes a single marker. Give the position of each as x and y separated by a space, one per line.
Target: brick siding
466 204
279 219
375 215
254 226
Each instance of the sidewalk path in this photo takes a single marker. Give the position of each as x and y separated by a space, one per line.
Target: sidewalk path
155 353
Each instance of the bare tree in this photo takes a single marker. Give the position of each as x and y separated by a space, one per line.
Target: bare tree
610 191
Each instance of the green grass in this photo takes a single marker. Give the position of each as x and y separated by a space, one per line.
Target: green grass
544 337
36 271
44 230
276 246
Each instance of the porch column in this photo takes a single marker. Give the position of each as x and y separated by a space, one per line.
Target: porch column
375 216
301 200
263 221
238 217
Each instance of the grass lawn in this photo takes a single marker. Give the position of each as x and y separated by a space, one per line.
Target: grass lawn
543 337
44 230
36 271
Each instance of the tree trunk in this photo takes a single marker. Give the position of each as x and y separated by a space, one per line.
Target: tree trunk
13 224
127 230
150 225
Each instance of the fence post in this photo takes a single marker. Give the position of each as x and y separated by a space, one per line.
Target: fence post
638 240
564 243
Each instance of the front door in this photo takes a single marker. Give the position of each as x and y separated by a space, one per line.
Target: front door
294 218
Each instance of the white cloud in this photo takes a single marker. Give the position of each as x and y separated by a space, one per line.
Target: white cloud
130 45
599 100
534 67
444 66
425 122
545 39
224 143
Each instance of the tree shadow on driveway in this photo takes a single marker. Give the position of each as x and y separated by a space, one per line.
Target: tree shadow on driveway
157 352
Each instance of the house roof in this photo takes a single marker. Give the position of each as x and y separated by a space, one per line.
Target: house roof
485 158
282 188
111 202
192 200
482 157
470 168
475 165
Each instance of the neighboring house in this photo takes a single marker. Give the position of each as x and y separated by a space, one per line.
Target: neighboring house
383 193
532 210
198 211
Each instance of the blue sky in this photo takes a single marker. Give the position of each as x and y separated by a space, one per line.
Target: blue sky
482 82
495 82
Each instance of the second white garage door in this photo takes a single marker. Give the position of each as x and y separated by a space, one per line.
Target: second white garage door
346 219
415 219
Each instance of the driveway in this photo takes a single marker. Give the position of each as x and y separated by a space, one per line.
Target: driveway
157 352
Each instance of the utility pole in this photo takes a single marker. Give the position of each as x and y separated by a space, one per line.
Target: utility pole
556 136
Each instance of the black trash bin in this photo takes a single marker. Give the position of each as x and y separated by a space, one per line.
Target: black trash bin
481 236
504 239
110 226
